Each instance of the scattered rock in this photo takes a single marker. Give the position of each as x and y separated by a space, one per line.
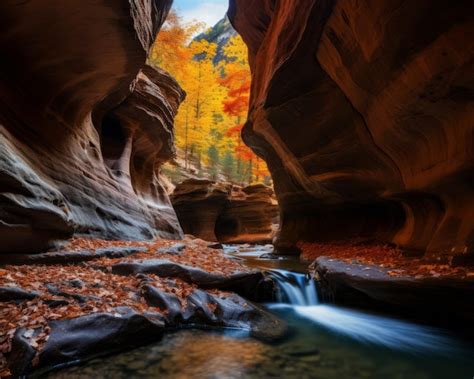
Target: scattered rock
54 290
174 249
56 303
69 257
169 303
245 284
16 294
233 311
76 283
20 361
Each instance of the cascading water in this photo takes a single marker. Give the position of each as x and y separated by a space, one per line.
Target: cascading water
326 342
298 293
295 288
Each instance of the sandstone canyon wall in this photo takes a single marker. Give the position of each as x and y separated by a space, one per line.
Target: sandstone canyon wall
224 212
84 124
364 111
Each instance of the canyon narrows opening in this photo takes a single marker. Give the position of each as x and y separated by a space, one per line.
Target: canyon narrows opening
233 189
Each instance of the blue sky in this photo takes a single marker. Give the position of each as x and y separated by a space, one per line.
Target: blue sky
208 11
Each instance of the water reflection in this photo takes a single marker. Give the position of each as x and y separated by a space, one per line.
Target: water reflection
311 352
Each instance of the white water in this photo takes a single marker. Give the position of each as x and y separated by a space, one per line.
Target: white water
295 288
298 293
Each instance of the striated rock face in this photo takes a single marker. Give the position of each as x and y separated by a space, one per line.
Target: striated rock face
198 204
250 216
364 111
83 124
224 212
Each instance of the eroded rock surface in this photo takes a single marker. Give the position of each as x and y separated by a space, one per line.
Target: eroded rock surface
84 124
219 211
417 297
364 113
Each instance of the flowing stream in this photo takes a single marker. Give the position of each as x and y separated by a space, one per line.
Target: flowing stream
327 342
297 293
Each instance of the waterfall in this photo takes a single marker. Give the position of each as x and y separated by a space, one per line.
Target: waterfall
297 292
295 288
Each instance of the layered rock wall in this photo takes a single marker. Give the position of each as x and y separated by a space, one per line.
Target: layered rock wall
225 212
364 112
84 124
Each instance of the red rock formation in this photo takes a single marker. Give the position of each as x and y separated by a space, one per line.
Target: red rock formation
198 204
364 111
249 216
83 127
224 212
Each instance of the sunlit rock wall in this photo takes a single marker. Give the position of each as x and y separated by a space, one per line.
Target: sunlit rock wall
364 111
84 125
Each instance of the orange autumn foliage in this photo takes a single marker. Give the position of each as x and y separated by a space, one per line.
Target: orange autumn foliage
209 122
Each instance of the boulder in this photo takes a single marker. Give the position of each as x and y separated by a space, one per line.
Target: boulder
98 334
364 113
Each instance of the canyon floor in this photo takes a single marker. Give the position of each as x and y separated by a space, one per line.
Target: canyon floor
92 296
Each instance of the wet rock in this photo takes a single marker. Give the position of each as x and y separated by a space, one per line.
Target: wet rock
243 283
175 249
419 298
358 132
233 311
167 302
76 283
56 303
98 334
22 354
103 333
54 290
16 294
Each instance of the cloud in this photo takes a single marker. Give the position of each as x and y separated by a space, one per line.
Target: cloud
207 12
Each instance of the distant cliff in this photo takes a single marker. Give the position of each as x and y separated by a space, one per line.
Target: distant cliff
219 34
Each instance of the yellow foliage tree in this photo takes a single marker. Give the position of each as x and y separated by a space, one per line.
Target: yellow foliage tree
208 124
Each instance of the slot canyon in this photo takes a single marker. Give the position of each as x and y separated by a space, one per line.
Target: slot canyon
134 242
